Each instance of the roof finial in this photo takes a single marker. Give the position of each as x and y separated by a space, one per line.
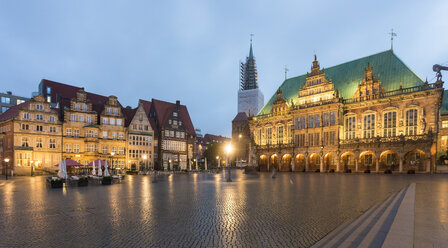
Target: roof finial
286 72
392 34
251 53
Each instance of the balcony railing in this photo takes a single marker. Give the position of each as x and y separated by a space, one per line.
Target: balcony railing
402 138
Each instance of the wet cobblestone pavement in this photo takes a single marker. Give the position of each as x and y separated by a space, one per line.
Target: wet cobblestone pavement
189 210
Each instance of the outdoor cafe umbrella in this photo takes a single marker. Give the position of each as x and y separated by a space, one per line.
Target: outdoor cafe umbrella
100 171
106 171
93 170
60 172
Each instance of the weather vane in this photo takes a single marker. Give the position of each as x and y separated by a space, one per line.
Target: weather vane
286 72
392 34
251 36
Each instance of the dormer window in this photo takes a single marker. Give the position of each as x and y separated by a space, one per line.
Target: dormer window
39 107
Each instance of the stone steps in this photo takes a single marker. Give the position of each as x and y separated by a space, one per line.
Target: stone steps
371 229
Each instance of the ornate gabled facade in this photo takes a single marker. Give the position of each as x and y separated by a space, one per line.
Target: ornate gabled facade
176 136
112 130
369 114
80 129
31 136
140 139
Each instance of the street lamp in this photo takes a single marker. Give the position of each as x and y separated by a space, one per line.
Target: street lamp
229 149
217 160
169 164
6 168
144 161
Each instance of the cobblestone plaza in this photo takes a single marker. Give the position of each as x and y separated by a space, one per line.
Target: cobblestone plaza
191 210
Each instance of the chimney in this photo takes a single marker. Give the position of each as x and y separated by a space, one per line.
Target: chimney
177 105
9 92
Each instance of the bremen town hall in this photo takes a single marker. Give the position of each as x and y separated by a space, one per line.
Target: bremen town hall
370 114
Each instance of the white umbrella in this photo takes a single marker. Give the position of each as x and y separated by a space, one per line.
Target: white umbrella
60 172
106 171
93 170
65 169
100 171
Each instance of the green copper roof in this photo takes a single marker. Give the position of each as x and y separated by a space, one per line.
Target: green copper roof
444 109
387 67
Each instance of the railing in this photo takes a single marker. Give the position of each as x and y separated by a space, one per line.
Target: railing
423 137
400 91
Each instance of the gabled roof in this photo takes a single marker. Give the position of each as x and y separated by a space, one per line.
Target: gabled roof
387 67
69 92
164 109
128 115
146 106
211 137
241 116
13 111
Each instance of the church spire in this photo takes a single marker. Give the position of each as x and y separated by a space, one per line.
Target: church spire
249 75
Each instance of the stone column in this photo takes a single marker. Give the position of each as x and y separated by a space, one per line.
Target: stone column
293 163
321 163
307 163
356 164
400 169
269 161
428 164
338 164
377 160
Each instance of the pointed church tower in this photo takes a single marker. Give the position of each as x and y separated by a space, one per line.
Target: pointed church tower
250 98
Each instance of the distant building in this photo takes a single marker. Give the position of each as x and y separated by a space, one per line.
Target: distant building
203 142
7 100
175 135
250 98
140 138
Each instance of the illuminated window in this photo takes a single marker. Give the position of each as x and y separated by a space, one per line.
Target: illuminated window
411 122
369 126
25 142
280 135
39 143
269 135
444 124
52 143
390 124
349 127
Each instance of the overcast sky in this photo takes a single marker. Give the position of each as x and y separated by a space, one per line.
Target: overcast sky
190 50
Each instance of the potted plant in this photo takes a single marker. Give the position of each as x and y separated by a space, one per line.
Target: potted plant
56 183
106 180
83 181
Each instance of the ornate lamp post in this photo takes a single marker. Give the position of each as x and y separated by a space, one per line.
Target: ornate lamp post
6 168
217 161
229 150
112 160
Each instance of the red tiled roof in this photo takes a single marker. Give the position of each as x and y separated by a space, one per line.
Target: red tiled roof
13 111
69 92
210 138
164 109
146 106
128 115
241 116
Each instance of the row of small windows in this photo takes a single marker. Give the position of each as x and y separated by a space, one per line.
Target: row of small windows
175 122
80 118
140 154
389 125
174 134
280 132
75 148
79 106
326 119
140 127
39 128
112 121
171 145
137 140
39 143
39 117
112 110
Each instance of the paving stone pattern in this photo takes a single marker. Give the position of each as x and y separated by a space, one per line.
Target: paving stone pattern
189 210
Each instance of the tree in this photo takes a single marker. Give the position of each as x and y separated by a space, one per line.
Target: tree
213 150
